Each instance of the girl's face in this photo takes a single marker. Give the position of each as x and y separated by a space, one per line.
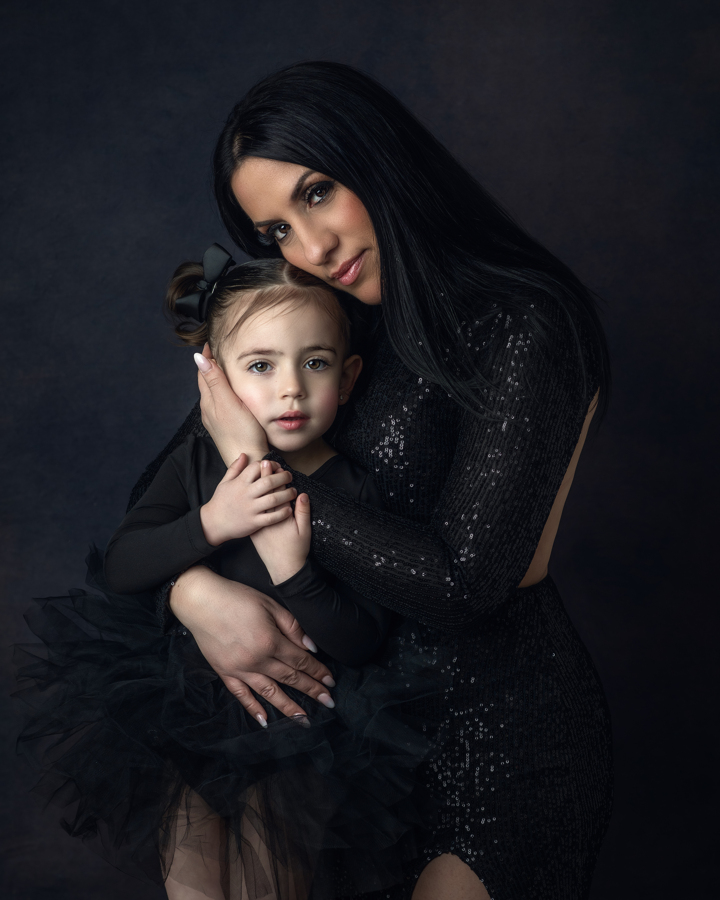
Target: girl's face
319 225
287 364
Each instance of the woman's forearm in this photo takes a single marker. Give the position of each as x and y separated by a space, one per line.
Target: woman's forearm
249 640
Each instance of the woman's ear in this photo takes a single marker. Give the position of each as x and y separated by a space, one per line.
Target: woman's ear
352 367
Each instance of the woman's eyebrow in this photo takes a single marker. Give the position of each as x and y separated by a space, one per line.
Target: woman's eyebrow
300 182
293 197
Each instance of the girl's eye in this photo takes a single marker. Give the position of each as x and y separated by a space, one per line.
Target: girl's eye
316 365
259 367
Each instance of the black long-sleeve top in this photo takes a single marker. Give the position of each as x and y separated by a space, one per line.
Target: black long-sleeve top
466 496
162 535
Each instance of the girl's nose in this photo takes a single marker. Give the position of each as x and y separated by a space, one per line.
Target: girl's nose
292 386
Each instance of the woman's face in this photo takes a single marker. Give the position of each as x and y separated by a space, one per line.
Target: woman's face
319 225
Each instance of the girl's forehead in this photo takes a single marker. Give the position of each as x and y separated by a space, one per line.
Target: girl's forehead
288 324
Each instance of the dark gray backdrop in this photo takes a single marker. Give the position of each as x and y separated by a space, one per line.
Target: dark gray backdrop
594 122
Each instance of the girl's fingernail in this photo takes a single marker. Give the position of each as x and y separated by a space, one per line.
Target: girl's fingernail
202 363
326 700
301 720
262 720
303 499
310 644
328 681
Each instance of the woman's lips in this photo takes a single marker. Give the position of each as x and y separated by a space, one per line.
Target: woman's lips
349 271
291 421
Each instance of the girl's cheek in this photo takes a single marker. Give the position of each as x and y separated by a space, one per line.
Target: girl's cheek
330 403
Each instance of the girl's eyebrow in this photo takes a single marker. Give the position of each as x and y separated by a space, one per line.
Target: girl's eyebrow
293 197
303 350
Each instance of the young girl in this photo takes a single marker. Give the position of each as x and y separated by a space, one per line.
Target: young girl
163 762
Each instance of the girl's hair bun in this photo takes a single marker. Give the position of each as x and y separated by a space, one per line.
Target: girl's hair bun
184 282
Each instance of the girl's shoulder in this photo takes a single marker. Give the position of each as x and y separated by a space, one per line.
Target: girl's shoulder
341 474
198 454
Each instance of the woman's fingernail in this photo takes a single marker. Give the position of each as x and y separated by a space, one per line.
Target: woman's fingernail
326 700
310 644
328 681
262 720
303 499
301 720
202 363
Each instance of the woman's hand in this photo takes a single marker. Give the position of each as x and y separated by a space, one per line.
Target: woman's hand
230 424
250 641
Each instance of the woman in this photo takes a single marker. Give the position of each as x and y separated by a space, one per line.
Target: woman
487 361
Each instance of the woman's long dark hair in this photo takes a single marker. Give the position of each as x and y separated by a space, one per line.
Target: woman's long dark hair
450 256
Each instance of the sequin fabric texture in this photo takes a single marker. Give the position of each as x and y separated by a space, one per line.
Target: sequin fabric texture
523 774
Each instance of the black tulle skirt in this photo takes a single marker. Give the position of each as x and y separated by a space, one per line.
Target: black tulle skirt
159 767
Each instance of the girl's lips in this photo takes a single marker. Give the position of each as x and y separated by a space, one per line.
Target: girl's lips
348 274
291 423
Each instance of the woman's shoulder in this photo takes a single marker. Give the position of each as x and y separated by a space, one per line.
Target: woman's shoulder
539 340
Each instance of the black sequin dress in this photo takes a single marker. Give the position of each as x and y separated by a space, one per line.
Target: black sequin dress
523 779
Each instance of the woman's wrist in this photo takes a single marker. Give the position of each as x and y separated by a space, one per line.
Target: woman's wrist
257 453
187 592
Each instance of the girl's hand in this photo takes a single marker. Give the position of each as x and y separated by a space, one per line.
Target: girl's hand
230 424
249 497
250 641
284 546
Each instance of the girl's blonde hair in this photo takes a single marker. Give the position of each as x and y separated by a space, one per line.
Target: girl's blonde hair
261 285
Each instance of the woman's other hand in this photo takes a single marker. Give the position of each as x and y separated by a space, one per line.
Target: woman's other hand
248 498
230 424
250 641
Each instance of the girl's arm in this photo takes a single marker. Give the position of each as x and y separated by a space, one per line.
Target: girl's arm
162 535
340 621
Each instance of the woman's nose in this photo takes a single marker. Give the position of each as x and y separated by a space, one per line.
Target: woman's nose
317 244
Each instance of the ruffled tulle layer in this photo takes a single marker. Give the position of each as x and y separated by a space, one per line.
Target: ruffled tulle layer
161 769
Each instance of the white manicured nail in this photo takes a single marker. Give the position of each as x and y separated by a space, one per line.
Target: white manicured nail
202 363
310 644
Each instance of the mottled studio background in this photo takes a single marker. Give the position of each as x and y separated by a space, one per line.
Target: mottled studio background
596 123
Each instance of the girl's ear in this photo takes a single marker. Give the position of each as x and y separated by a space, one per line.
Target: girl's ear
352 367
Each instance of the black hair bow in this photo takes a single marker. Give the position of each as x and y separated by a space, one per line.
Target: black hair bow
216 262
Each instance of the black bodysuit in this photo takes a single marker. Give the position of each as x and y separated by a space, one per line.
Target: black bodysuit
162 535
523 778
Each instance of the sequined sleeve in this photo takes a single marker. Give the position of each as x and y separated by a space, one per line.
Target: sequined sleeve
506 471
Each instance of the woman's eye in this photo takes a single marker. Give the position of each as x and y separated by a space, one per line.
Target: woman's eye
318 192
259 367
316 365
278 232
